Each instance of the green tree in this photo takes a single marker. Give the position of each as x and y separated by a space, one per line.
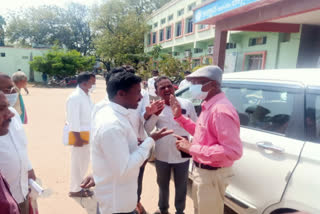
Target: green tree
2 23
172 67
120 32
61 63
120 26
49 25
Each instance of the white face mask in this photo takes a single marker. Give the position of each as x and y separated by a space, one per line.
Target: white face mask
93 87
197 93
12 98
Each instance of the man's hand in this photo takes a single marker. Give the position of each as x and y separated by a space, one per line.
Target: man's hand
175 106
88 182
154 108
31 175
160 133
183 144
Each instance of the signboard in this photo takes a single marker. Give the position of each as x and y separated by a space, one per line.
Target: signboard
219 7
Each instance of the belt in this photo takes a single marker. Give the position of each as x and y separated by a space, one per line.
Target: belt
204 166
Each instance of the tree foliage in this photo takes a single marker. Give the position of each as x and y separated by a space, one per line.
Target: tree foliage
61 63
120 26
48 25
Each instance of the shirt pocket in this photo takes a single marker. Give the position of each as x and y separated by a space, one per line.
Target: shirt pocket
201 132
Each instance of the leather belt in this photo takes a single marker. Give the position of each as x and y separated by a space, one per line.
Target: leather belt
204 166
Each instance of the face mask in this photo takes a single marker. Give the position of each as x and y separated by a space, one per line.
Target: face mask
197 93
12 98
93 87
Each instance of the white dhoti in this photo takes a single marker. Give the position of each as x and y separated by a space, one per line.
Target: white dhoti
80 158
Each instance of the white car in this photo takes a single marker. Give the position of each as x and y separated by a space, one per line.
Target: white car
279 111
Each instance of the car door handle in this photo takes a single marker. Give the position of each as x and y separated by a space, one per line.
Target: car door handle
270 146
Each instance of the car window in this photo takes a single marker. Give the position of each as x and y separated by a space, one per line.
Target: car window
262 109
312 118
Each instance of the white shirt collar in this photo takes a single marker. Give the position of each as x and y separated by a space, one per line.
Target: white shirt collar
120 109
81 91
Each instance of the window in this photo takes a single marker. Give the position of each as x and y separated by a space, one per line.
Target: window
201 27
231 45
189 25
154 37
180 12
312 118
198 50
195 63
263 109
258 41
25 57
285 37
254 62
161 35
3 54
170 17
149 38
176 53
155 25
168 32
178 29
191 6
163 21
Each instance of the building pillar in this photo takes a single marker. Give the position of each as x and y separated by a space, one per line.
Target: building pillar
220 44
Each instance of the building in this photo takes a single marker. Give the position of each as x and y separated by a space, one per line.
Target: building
287 18
12 59
187 30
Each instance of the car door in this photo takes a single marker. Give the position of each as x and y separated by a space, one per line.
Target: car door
271 117
304 189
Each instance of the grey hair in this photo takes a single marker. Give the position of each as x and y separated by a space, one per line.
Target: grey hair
19 76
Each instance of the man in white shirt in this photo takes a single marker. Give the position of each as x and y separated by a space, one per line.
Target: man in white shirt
15 165
151 89
168 157
137 118
79 106
116 155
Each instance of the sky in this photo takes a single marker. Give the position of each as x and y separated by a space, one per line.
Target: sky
7 5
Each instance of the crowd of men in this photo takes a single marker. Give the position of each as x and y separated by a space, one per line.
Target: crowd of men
122 132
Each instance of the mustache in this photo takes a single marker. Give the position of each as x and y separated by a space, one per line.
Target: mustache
7 121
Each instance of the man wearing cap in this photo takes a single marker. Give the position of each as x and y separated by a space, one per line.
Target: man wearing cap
216 140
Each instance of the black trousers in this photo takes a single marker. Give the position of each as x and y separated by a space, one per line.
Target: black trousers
180 175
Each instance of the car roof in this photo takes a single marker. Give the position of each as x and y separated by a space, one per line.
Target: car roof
307 77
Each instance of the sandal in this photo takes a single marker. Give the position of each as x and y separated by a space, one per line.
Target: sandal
81 194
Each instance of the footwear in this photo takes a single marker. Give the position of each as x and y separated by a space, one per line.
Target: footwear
140 209
81 194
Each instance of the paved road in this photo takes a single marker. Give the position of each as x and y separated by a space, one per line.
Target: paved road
51 160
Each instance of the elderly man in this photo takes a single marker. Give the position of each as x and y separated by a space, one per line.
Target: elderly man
79 107
20 80
15 165
216 141
168 158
